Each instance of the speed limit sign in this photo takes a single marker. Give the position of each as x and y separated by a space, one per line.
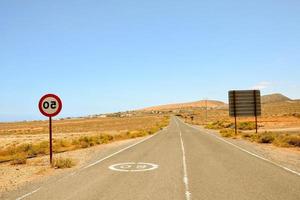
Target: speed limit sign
50 105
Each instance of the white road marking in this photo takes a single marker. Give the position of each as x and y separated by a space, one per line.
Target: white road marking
95 163
133 167
126 148
188 195
246 151
28 194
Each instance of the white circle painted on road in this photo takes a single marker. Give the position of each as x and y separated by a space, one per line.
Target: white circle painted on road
133 167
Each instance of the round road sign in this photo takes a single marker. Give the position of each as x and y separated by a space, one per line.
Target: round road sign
50 105
133 167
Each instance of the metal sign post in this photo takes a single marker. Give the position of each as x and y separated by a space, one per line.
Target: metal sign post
234 113
50 139
244 103
50 105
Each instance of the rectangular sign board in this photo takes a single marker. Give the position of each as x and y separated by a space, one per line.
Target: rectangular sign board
244 103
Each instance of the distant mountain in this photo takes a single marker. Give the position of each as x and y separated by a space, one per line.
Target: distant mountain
196 104
274 98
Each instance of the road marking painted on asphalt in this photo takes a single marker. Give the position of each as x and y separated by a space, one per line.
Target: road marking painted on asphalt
28 194
95 163
133 167
188 195
111 155
246 151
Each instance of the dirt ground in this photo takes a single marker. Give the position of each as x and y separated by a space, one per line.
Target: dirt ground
265 122
36 131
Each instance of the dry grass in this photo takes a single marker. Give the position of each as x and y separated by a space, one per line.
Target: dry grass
274 115
277 139
287 141
34 132
19 159
68 144
81 125
227 133
61 163
225 125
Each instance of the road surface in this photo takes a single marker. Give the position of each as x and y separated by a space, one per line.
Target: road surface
184 164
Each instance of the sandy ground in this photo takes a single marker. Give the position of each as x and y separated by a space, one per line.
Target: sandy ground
16 139
38 169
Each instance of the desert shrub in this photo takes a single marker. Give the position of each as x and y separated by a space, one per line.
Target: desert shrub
61 163
85 141
62 143
247 135
219 125
246 125
227 132
75 142
287 141
154 130
19 159
105 138
43 147
266 137
296 115
135 134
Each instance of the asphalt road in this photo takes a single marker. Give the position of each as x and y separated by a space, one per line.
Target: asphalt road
187 164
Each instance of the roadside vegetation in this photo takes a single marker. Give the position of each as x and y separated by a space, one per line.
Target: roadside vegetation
18 154
226 129
61 163
225 125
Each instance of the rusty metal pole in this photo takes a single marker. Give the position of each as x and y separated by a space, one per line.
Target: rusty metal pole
256 126
206 108
255 110
50 139
234 110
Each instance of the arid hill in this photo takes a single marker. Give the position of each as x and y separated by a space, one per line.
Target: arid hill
196 104
265 99
274 98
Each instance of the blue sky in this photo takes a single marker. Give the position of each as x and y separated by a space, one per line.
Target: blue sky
107 56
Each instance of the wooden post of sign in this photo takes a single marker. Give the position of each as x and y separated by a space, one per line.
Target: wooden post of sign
234 111
50 138
255 110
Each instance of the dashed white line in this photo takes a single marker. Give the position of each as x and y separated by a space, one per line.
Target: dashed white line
248 152
188 195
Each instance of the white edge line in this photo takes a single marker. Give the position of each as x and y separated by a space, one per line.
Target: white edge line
185 174
246 151
28 194
111 155
95 163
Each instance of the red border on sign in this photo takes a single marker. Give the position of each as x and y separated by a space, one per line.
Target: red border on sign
59 105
